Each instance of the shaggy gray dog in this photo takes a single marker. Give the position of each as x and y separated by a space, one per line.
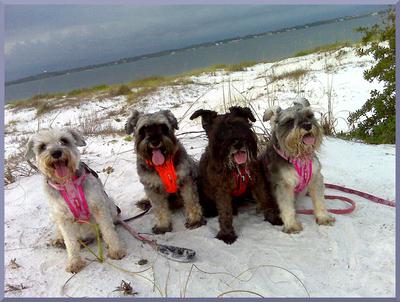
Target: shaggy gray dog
291 163
58 159
166 171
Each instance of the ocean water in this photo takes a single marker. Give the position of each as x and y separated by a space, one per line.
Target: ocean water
265 47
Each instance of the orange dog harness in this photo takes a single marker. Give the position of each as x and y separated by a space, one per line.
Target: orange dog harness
166 171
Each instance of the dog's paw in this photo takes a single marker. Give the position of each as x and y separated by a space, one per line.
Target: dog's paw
75 265
57 243
161 230
116 253
228 238
273 218
293 229
195 224
325 220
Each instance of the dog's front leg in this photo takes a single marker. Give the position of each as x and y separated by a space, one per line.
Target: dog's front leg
316 190
260 193
58 241
69 231
116 249
159 203
225 218
194 214
285 197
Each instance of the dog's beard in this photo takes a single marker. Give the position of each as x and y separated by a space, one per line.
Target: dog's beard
58 170
157 155
301 143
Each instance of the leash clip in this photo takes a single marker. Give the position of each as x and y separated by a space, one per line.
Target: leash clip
240 174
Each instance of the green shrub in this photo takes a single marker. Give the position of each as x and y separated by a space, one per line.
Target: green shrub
375 122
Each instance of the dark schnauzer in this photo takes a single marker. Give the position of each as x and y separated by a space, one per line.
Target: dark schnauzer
291 164
164 168
229 168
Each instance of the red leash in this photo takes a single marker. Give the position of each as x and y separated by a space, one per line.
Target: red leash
348 200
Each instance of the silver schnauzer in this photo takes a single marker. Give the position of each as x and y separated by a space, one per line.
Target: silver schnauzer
166 171
76 195
291 162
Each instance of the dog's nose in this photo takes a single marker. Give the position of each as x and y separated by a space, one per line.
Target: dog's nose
56 154
155 143
307 126
238 144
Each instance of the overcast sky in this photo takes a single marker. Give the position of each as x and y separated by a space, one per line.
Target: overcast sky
55 37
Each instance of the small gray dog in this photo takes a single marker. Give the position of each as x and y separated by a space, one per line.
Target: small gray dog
166 171
75 193
291 164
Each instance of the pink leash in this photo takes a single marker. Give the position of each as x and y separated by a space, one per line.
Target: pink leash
348 200
304 170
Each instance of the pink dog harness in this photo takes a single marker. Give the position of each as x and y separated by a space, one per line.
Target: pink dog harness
303 168
74 196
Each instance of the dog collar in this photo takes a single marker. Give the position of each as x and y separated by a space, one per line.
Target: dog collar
242 178
167 174
303 167
74 196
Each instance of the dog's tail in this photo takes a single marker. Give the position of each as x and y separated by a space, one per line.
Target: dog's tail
144 204
174 203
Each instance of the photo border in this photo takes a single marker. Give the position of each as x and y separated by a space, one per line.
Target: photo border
189 2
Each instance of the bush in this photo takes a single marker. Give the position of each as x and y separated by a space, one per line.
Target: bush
375 122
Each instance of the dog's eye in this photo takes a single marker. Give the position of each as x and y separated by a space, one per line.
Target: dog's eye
142 130
64 141
42 147
164 129
310 115
289 122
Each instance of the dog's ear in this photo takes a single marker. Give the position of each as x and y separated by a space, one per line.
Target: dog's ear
302 102
132 121
207 117
171 118
78 137
242 112
271 114
29 148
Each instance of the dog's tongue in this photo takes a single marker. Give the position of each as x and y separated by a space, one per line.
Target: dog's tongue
61 169
157 158
240 157
309 139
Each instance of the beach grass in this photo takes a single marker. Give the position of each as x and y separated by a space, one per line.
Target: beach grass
140 88
291 75
325 48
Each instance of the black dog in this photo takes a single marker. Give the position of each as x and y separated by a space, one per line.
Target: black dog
229 168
